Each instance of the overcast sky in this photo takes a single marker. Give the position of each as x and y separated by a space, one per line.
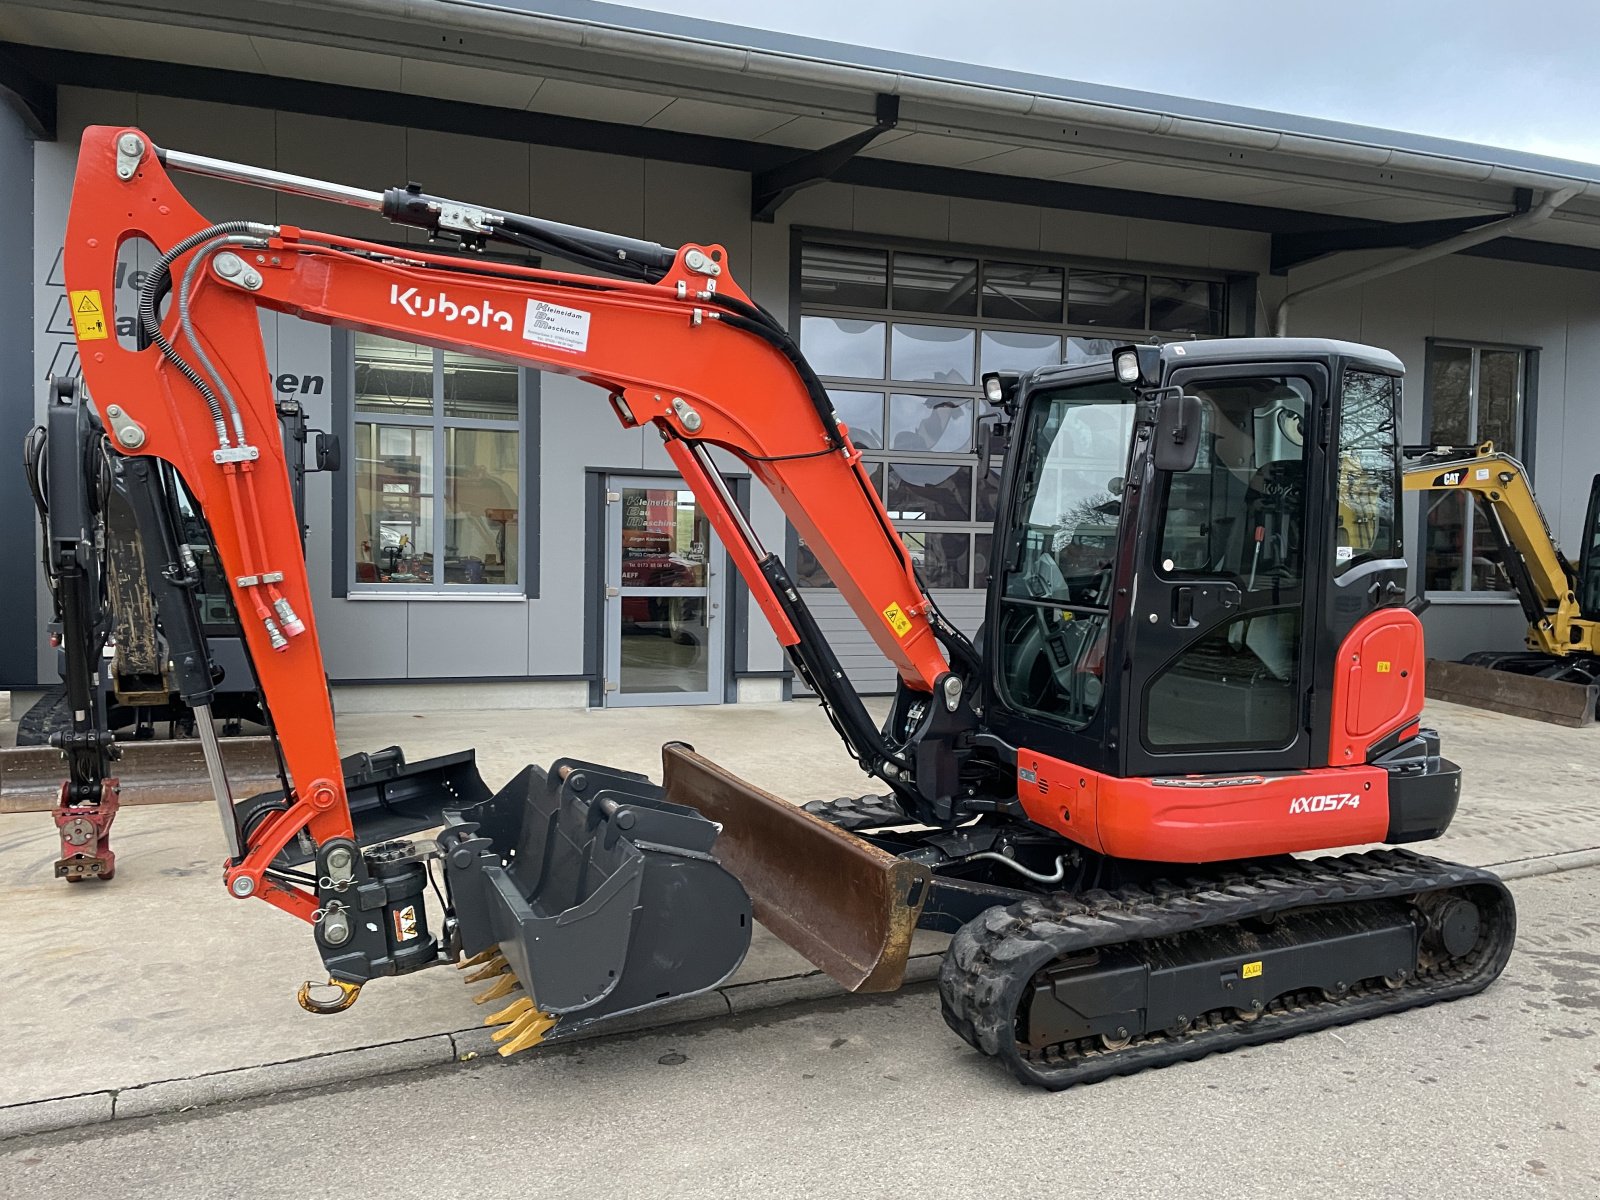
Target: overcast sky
1521 75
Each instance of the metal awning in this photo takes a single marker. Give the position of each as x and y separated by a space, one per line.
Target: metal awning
788 96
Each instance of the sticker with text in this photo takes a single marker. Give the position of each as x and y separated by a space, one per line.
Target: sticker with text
551 325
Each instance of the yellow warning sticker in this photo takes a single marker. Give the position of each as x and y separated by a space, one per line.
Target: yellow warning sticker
898 621
1384 666
88 315
1250 970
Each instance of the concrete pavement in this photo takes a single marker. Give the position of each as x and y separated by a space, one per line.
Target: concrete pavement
157 991
1495 1097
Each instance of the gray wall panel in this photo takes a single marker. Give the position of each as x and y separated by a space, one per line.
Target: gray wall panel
363 639
20 615
468 637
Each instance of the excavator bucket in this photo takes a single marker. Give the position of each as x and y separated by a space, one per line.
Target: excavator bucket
846 905
582 893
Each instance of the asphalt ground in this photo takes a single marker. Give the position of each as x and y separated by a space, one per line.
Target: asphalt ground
157 992
1494 1096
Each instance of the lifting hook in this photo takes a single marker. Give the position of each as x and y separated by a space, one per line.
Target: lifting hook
348 994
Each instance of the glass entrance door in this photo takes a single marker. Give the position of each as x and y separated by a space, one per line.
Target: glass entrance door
664 591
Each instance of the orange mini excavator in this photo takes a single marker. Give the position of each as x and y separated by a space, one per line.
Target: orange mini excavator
1190 670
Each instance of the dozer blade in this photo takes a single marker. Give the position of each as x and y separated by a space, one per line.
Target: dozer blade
846 905
154 772
1554 700
585 888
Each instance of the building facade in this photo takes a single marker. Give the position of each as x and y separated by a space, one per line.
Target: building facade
494 536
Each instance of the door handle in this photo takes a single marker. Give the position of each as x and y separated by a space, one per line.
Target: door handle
1387 592
1183 607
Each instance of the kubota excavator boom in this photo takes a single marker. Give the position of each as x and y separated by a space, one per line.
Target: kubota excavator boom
1182 676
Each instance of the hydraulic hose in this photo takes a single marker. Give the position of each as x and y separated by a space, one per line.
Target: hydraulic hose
157 281
187 323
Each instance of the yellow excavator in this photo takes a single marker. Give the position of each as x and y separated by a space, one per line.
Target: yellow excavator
1557 677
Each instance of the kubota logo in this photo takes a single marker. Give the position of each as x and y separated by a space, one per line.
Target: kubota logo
1332 802
438 304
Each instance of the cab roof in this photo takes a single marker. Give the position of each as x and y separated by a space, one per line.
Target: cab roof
1272 349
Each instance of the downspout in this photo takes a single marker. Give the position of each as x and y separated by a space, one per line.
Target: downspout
1462 241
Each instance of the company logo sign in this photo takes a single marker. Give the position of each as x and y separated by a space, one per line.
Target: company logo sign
416 303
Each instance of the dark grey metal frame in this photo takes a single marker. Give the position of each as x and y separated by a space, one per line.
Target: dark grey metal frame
1525 451
800 235
530 436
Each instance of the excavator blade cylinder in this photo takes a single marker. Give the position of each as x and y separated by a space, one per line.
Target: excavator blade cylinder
846 905
591 891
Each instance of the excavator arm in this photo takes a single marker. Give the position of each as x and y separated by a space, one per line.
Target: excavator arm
682 349
1544 580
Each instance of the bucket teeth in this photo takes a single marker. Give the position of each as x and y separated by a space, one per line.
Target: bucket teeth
503 986
488 970
510 1012
478 959
525 1033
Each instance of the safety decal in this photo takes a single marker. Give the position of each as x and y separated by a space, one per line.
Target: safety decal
898 621
551 325
1384 666
1250 970
405 923
88 315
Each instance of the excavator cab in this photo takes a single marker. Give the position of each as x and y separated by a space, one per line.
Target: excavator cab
1174 579
1589 557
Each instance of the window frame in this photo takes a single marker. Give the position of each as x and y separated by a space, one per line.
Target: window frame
526 429
1527 384
877 460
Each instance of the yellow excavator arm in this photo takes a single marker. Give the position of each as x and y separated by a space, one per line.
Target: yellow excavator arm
1545 580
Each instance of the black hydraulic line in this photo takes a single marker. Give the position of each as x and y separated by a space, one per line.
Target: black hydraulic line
818 666
614 253
34 455
157 283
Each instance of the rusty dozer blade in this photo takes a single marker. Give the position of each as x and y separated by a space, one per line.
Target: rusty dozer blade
848 906
588 888
154 772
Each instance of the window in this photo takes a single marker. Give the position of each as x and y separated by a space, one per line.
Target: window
438 470
901 339
1368 442
1475 394
1238 513
1056 590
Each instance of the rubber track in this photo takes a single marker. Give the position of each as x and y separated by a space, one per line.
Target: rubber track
992 959
856 813
51 713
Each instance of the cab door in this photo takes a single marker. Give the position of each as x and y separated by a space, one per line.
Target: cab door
1219 663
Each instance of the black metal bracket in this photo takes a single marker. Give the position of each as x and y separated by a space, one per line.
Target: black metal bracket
1294 249
770 188
33 99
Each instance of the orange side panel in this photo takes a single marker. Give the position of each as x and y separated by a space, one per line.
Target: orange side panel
1059 796
1205 818
1377 683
